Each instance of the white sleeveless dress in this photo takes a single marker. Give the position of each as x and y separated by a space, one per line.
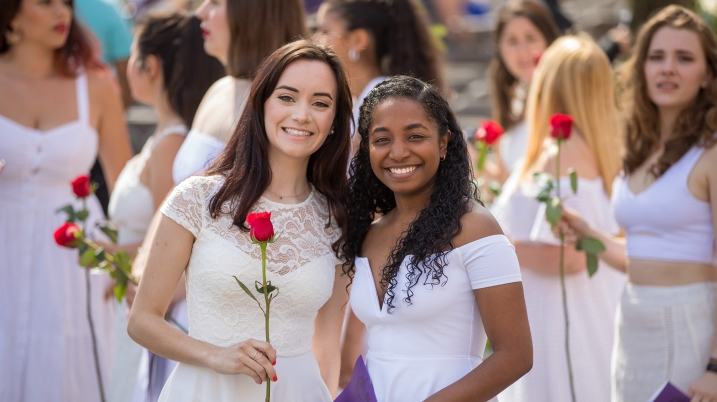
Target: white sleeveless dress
131 209
300 262
45 344
592 302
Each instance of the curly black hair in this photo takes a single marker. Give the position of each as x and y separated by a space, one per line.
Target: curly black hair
428 239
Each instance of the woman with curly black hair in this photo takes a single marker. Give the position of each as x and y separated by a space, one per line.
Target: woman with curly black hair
441 269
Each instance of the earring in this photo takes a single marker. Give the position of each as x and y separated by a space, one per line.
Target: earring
332 130
12 38
354 55
443 157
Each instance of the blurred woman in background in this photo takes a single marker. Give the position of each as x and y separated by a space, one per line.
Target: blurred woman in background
524 29
59 108
573 77
170 72
666 202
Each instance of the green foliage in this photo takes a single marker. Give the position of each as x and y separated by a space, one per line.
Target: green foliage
482 154
70 211
87 258
109 232
573 180
553 211
495 188
260 288
592 248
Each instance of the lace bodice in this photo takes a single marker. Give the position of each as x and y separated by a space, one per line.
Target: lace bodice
300 262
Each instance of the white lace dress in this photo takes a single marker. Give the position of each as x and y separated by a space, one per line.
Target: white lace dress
592 302
301 263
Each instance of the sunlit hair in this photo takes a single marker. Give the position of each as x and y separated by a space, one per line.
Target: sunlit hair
427 240
574 77
401 35
695 125
257 28
245 160
502 82
77 54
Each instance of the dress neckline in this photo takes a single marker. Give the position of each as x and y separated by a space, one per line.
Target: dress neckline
297 205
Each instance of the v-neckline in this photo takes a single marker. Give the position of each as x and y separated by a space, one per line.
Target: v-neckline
376 299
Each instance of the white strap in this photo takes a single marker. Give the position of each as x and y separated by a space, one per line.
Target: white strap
83 101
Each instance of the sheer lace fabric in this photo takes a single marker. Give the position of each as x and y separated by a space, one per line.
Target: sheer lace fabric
300 262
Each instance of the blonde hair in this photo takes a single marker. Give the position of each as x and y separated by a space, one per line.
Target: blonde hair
574 77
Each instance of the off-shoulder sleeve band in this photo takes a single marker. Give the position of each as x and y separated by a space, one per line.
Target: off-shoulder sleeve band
490 261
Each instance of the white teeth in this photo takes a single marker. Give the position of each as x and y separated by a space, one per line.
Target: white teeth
297 132
402 170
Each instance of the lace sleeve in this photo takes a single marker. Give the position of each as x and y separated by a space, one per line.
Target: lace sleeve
187 204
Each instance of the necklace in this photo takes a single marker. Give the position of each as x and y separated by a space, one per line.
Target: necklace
281 197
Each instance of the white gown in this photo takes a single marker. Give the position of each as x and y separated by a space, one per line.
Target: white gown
592 302
300 262
45 345
419 349
131 209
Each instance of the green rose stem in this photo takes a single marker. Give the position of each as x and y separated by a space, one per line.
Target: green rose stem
89 317
562 280
266 314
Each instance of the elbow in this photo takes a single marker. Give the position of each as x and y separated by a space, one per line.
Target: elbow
133 328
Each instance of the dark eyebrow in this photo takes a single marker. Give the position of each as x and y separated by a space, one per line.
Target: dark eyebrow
380 129
297 91
415 125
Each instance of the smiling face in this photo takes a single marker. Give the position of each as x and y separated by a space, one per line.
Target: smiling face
675 68
521 42
43 22
299 113
215 28
405 147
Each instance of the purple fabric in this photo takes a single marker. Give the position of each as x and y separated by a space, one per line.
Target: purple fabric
359 388
669 393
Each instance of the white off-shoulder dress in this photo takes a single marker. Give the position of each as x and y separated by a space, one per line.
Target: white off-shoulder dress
300 262
421 348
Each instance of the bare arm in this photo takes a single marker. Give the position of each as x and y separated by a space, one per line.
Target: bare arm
114 148
545 258
351 347
502 309
327 333
167 259
121 67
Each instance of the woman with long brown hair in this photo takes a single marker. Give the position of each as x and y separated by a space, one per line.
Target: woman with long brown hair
666 202
524 29
59 109
282 159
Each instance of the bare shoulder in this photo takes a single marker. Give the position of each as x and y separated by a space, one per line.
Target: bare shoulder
475 225
101 83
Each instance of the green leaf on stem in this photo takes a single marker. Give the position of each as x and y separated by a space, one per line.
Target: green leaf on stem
111 233
120 290
88 258
246 289
260 288
544 195
123 261
573 180
100 254
553 212
70 211
591 263
82 214
592 248
544 181
82 246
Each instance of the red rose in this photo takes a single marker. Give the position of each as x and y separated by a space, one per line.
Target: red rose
489 132
81 186
66 235
261 227
560 126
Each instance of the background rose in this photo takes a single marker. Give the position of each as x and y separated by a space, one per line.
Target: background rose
66 235
81 186
489 132
561 126
261 227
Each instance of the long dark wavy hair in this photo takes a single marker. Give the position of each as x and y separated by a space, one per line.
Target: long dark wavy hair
401 36
429 238
176 40
245 160
75 55
695 125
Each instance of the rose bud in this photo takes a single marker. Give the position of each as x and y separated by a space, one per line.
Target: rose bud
561 126
261 227
66 235
489 132
81 186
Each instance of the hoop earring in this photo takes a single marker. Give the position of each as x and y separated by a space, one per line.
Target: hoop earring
354 55
443 157
12 38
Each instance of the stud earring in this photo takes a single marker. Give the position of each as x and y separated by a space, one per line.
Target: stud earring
12 38
354 55
332 130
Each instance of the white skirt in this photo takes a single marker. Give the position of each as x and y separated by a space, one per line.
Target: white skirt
299 380
663 333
